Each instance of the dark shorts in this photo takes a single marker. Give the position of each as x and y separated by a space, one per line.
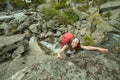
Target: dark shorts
67 54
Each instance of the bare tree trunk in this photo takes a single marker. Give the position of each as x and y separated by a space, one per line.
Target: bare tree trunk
26 6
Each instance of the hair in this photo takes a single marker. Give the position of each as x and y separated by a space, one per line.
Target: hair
76 48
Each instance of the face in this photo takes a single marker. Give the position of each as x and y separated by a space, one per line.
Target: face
74 44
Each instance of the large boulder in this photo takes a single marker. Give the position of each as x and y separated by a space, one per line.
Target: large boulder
82 66
21 63
111 5
34 27
115 24
8 40
13 46
112 41
82 15
101 29
51 24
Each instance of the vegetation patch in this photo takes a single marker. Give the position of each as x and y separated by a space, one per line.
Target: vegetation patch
88 40
80 1
84 8
19 3
60 4
95 18
49 13
67 16
117 48
106 14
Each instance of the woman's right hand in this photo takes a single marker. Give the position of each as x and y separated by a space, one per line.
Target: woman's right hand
58 56
61 50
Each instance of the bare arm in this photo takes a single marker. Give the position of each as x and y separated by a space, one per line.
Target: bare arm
61 50
94 48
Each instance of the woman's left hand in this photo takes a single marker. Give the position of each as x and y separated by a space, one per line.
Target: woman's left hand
103 50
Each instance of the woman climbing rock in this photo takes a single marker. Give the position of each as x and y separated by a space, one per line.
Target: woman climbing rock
70 45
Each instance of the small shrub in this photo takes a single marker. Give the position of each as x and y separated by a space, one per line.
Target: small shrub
102 1
95 18
117 48
80 1
38 1
19 3
83 8
88 40
67 17
62 18
49 13
92 28
35 3
58 5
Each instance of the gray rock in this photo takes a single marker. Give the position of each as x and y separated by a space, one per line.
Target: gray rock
18 51
43 35
50 24
70 27
81 14
112 41
50 33
62 28
23 25
114 24
104 26
58 33
84 21
2 18
86 66
77 24
111 5
10 48
44 27
39 16
115 14
84 31
98 36
4 26
34 27
40 7
20 16
93 10
8 40
13 23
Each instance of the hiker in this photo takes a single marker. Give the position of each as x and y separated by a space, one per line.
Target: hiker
70 44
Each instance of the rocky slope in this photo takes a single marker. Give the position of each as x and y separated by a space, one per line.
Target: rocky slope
24 57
